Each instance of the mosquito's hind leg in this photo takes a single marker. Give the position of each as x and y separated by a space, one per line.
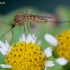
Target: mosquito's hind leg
23 39
20 33
33 37
30 32
12 37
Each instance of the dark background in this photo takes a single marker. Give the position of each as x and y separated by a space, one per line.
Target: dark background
44 5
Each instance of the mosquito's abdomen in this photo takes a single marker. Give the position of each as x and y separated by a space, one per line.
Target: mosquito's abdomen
35 19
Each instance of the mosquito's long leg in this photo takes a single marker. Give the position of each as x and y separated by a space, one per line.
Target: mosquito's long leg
30 32
10 41
12 37
31 35
6 32
25 38
59 21
33 38
20 33
30 24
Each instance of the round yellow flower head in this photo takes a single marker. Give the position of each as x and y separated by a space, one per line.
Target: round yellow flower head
63 47
25 56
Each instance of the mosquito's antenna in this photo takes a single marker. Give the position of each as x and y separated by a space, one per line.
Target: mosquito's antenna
4 22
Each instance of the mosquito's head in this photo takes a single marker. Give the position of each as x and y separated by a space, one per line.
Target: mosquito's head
13 25
18 19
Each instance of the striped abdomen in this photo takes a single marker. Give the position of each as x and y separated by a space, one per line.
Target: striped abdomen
34 18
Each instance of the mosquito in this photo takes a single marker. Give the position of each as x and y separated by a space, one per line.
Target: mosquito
21 19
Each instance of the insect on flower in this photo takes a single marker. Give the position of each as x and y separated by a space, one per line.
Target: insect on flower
21 19
30 56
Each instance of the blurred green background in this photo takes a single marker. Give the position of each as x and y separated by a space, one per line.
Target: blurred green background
59 10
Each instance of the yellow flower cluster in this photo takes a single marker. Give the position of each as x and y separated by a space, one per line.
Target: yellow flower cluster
63 48
25 56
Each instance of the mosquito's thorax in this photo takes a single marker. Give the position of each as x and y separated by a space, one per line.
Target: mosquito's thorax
18 19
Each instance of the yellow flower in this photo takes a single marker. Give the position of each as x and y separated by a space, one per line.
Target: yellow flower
61 47
25 56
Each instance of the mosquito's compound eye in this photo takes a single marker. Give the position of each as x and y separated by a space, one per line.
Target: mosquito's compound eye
13 25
